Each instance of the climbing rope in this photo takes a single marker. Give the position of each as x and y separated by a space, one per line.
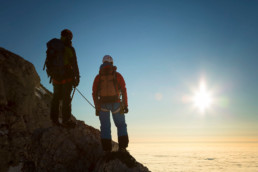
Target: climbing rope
85 98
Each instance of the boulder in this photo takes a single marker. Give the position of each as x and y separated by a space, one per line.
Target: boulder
29 141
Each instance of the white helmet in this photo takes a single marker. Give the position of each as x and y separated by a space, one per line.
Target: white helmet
107 58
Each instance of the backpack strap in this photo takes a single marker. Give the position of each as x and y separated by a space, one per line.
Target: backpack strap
116 84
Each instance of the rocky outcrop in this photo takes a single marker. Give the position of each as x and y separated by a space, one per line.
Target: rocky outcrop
29 142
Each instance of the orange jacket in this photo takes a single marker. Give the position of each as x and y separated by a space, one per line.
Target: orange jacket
121 83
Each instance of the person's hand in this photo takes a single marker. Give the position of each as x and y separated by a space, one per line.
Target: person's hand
97 106
76 81
97 112
126 109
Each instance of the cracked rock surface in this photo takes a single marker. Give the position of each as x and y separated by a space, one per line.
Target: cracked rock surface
28 140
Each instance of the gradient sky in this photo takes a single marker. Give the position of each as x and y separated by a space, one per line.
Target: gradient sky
163 49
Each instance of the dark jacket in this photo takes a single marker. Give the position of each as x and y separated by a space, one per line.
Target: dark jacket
71 70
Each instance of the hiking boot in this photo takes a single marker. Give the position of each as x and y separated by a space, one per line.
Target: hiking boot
123 150
69 124
123 142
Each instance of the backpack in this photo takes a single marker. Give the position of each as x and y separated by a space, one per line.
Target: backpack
55 59
108 89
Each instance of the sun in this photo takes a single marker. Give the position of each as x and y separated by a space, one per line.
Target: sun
202 98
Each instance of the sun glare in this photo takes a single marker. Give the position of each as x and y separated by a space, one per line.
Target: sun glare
202 98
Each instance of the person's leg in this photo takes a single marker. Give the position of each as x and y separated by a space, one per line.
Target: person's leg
120 123
105 128
66 107
54 111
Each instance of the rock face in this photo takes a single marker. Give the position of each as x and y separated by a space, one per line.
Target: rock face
29 142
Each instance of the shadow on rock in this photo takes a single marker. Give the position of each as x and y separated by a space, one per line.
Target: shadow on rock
118 161
123 156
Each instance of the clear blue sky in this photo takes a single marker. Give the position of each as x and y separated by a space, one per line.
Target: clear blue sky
162 48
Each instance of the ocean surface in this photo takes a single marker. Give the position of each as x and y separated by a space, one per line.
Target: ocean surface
197 157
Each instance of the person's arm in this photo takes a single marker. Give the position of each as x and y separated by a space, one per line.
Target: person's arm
95 92
121 82
75 68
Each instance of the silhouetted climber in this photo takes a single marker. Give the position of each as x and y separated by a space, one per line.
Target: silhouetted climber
108 87
62 67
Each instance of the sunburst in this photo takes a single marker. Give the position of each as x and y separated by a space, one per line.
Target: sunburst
202 98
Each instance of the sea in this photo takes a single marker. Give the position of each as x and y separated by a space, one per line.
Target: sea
197 156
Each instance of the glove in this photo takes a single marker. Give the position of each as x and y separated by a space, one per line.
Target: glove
126 110
76 81
97 112
97 109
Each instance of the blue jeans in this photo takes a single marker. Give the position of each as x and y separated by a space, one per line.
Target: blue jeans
119 120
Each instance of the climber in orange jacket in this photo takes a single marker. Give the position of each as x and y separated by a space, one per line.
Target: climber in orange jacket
108 88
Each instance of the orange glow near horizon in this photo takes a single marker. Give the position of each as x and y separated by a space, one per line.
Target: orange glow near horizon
196 139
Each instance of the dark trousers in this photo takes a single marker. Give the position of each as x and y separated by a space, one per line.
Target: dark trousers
62 93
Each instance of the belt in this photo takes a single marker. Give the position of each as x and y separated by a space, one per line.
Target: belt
63 81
